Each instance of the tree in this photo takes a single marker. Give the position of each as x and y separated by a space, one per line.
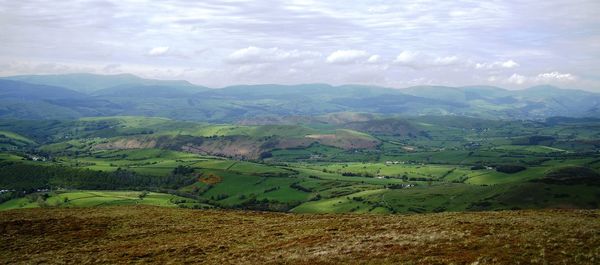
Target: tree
182 170
142 195
41 202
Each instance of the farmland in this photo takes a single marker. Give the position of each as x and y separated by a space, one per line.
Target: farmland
299 132
327 187
96 198
441 166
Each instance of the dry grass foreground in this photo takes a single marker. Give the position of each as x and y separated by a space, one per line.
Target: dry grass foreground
144 234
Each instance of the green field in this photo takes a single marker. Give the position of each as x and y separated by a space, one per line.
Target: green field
93 198
426 164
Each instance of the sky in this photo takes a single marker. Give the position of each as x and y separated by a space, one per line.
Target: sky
511 44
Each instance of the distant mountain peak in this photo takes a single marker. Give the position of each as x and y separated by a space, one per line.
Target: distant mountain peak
88 83
544 88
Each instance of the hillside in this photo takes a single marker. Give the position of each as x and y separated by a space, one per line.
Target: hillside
159 235
10 140
21 90
89 83
84 95
300 132
342 163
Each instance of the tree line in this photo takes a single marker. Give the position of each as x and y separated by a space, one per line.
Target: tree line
23 178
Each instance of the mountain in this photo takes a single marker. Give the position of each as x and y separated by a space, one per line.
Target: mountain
20 90
534 102
82 95
31 101
304 91
562 102
88 83
137 90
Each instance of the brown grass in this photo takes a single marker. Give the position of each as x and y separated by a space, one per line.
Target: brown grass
143 234
344 142
211 179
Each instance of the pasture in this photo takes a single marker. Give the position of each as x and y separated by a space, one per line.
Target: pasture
95 198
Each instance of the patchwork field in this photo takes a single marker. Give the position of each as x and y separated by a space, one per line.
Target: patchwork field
145 234
363 164
95 198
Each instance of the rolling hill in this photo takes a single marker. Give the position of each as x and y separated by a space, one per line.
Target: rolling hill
88 83
84 95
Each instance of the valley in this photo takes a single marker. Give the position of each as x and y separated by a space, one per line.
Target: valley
352 163
299 132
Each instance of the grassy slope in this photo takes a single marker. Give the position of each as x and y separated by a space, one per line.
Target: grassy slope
155 162
428 161
233 185
96 198
242 180
16 136
160 235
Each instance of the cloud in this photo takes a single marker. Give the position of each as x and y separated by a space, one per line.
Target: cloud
347 56
158 51
406 58
482 66
509 64
517 79
378 9
556 76
254 54
250 69
429 37
419 60
497 65
445 61
550 77
111 68
375 58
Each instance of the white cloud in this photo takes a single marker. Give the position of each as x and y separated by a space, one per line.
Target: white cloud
378 9
458 13
420 60
480 65
347 56
517 79
374 58
158 51
250 69
253 54
445 61
496 65
509 64
406 57
555 76
542 78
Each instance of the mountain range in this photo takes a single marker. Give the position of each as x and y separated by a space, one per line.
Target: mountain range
82 95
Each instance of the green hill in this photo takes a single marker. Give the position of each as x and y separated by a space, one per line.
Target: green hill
85 95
